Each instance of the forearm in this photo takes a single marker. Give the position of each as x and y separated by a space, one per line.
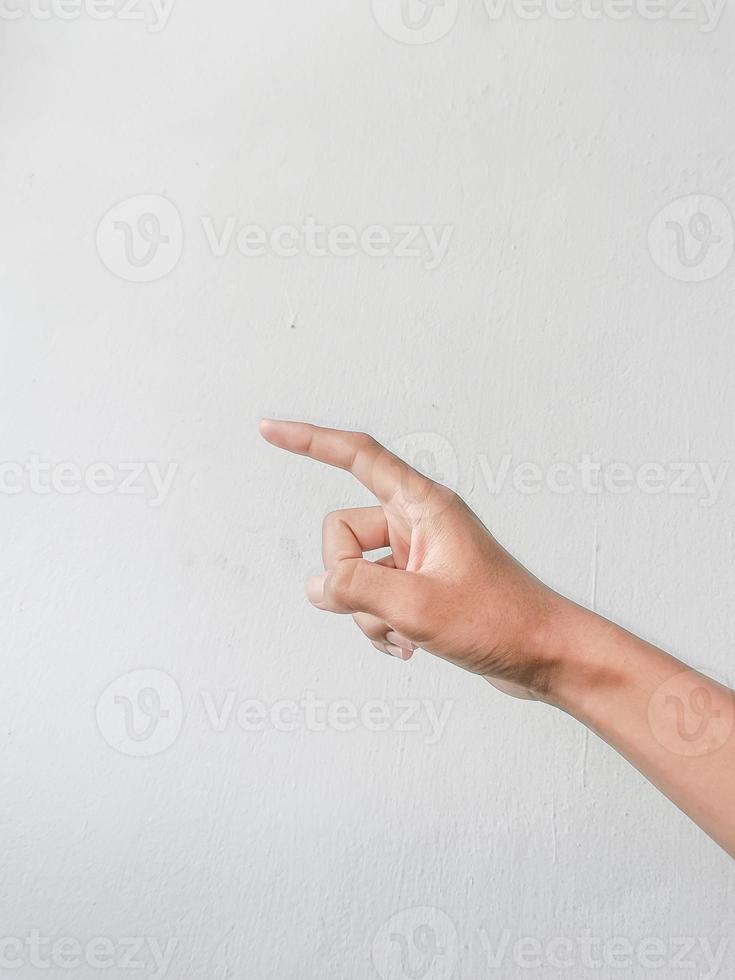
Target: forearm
673 724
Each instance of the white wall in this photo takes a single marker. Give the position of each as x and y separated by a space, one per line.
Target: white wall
551 329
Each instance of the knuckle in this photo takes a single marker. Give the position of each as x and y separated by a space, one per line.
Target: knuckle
331 521
365 440
444 495
341 581
362 444
437 499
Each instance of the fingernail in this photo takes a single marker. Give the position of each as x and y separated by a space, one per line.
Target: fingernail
315 588
397 639
398 652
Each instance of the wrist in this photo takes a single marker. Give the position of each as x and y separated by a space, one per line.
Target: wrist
576 645
597 671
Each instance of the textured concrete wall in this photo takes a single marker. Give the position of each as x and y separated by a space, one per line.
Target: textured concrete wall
564 299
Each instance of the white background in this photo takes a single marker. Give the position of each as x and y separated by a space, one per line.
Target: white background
547 332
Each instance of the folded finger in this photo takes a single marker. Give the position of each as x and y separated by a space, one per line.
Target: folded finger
350 533
383 637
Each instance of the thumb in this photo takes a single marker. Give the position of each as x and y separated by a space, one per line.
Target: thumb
402 599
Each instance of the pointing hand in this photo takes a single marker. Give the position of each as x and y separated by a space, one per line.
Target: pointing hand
446 586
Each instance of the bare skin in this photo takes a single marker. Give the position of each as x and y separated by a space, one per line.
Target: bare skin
451 589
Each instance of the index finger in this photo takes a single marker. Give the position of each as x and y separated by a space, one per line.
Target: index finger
372 464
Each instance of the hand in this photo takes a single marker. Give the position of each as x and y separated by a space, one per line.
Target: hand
447 585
